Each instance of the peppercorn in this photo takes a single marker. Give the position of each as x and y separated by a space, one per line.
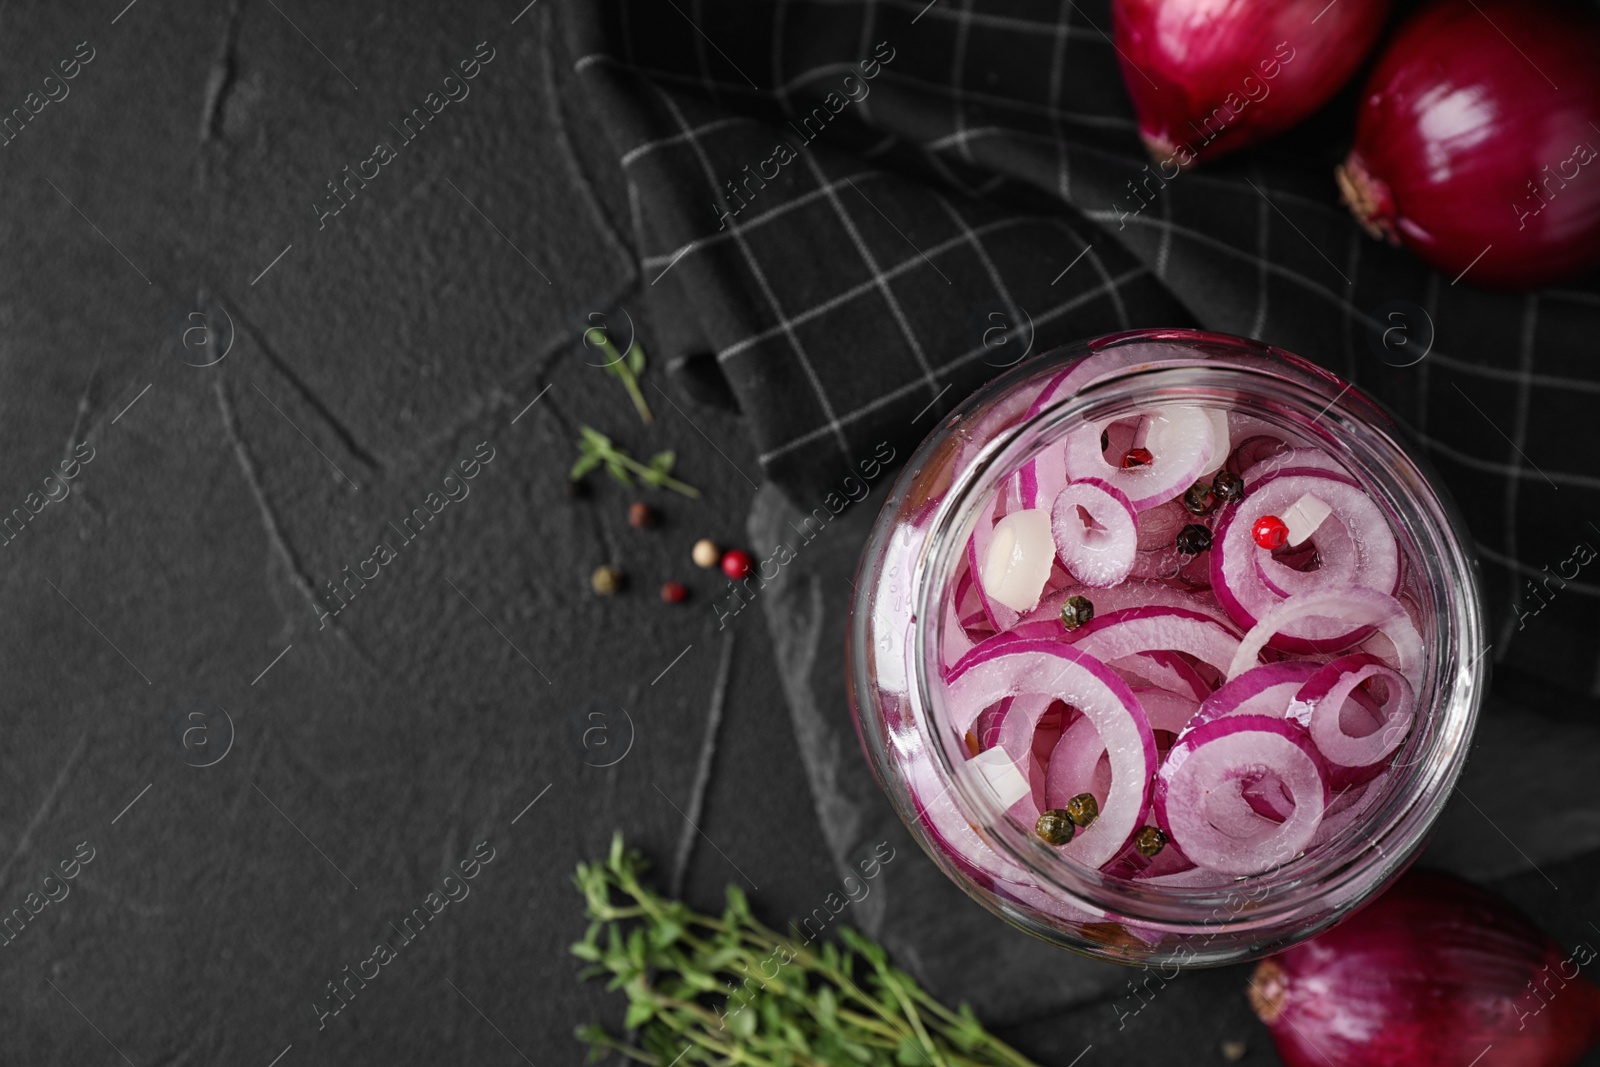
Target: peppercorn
576 490
674 593
1150 841
1199 499
606 580
1137 457
705 553
641 516
1083 809
1270 531
1075 611
1055 827
1228 486
736 564
1193 539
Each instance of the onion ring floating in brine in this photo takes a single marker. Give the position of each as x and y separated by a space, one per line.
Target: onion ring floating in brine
1180 441
1096 532
1199 795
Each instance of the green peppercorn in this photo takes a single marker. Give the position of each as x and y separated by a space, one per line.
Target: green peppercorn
1076 611
1150 841
1193 539
1228 486
1083 809
1054 827
1199 499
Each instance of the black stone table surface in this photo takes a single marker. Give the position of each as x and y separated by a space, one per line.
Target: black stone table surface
264 386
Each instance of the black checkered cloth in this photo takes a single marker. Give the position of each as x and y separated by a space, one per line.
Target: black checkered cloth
853 212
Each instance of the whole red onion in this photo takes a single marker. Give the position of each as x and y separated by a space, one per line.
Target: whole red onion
1210 76
1435 972
1478 136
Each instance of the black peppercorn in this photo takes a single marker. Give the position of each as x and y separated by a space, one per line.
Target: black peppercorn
1228 486
1076 611
1193 539
1199 499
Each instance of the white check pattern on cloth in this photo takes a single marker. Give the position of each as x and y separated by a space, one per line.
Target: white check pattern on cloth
997 145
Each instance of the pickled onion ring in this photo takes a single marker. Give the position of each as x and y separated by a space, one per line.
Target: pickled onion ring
1199 793
1096 532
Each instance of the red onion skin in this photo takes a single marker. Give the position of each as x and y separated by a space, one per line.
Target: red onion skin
1457 120
1431 974
1186 65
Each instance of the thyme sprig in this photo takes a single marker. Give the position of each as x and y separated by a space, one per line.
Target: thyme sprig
625 367
595 449
726 990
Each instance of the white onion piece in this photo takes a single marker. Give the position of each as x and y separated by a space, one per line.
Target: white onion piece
1017 562
998 615
1304 516
1202 783
1354 607
1179 440
1050 668
1096 532
995 769
1334 684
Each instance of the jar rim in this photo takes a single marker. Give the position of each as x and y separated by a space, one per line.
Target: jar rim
1358 431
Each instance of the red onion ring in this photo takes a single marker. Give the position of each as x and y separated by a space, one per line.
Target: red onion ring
1287 459
1180 442
1118 634
1078 764
1084 682
1270 690
1354 606
1369 554
1162 670
1202 782
1327 691
1099 553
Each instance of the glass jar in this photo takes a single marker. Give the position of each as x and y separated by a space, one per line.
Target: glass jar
902 625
